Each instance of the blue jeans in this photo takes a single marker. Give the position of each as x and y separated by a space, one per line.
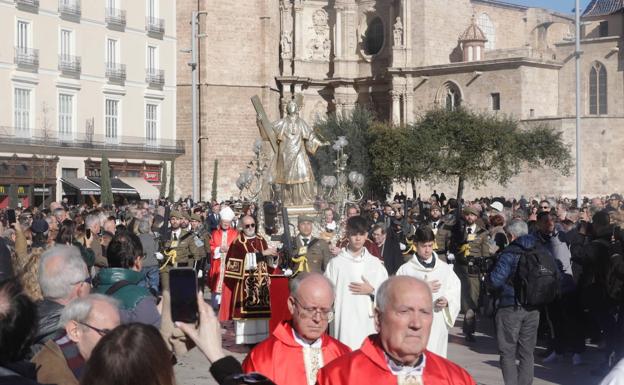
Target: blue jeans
152 278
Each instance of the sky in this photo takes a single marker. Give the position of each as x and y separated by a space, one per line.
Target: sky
557 5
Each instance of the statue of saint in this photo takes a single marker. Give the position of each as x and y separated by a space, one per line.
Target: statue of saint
293 172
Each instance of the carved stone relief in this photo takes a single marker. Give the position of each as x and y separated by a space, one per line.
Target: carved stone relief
319 45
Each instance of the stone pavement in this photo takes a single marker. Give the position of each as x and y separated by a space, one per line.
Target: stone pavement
479 358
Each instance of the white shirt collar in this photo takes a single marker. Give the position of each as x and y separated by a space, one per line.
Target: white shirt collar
316 344
399 370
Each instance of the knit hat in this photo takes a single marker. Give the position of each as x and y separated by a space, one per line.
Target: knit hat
39 226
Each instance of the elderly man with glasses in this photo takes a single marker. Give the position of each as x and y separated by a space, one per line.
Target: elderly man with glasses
83 323
245 292
297 349
63 277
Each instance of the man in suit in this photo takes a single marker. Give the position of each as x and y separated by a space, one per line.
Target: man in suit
389 247
214 217
315 250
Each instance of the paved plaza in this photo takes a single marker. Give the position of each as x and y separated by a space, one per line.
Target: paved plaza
480 359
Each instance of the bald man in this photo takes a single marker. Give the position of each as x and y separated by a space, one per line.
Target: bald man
397 354
297 349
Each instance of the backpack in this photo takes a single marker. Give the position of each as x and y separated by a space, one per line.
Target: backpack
535 280
614 278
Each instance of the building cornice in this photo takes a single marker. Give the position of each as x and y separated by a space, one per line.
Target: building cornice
483 65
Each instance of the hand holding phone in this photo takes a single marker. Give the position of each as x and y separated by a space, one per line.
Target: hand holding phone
183 288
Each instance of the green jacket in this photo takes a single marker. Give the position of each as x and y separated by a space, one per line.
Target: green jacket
129 295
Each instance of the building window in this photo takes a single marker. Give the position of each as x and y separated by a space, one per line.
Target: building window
152 58
151 122
374 37
598 90
496 101
66 46
603 29
112 119
69 173
21 109
112 56
452 96
485 23
23 34
65 114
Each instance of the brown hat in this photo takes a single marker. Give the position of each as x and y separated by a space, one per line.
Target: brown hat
176 214
304 218
435 207
196 217
472 209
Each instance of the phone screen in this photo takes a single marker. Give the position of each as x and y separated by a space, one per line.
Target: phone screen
183 287
11 216
88 233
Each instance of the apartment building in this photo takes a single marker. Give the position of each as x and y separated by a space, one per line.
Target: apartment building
80 80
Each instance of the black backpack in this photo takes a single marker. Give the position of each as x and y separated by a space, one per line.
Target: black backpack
614 278
535 280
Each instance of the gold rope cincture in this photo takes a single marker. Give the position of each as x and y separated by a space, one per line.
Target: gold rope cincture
171 257
303 264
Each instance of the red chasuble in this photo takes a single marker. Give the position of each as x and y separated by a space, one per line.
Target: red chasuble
367 365
280 357
214 275
245 293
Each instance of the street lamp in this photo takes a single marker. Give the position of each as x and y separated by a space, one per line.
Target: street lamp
194 127
577 55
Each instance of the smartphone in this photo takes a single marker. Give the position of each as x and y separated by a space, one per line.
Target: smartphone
11 216
183 288
88 233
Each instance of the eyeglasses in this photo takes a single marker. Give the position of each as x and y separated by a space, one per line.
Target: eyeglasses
310 312
250 225
101 332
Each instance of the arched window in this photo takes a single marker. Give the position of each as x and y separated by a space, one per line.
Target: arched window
374 37
452 96
485 23
598 89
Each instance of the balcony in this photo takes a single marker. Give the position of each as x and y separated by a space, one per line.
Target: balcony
115 18
27 58
69 65
155 26
83 143
27 5
115 72
155 77
70 9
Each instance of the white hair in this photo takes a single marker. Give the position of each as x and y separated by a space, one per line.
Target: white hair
79 309
56 279
91 220
295 282
517 228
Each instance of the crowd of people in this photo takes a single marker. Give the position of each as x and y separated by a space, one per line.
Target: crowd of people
370 294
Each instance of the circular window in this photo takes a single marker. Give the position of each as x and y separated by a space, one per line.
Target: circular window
374 37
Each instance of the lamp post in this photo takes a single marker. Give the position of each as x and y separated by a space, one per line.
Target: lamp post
577 55
194 127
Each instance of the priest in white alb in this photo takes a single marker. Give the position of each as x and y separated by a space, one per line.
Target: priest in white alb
444 284
356 275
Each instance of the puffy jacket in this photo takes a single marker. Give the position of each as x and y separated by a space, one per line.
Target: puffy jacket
137 304
500 277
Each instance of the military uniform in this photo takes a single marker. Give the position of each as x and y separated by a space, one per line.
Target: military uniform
187 251
470 246
316 251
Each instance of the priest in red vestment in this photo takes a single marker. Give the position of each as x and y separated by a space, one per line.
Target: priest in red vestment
297 349
245 292
220 242
397 354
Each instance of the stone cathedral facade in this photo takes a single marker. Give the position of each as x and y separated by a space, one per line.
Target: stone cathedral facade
402 57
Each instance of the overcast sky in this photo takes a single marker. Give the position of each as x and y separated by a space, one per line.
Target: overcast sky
558 5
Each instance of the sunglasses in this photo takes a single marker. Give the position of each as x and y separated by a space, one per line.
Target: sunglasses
250 225
545 207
